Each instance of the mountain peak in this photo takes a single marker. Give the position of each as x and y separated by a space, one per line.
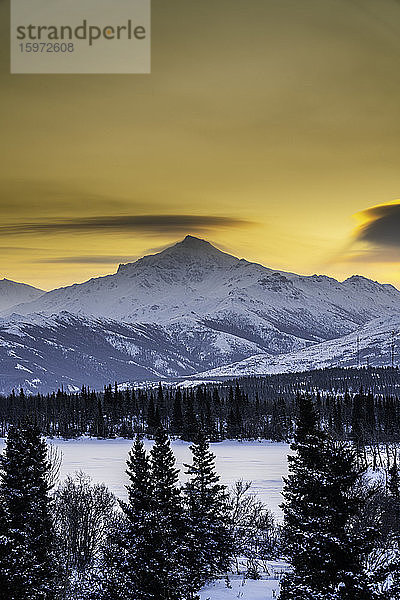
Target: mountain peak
196 249
190 242
188 258
361 281
191 239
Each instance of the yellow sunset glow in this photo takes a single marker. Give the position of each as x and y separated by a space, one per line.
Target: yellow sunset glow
267 125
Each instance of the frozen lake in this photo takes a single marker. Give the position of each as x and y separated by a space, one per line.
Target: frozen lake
263 463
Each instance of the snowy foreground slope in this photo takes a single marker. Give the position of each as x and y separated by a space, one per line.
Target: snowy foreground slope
183 311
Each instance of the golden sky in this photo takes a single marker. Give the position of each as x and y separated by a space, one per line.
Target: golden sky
270 127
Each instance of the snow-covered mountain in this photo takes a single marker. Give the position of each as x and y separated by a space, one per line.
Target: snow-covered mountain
188 309
12 293
373 345
41 353
196 281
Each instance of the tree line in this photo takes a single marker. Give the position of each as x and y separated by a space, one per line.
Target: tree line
249 408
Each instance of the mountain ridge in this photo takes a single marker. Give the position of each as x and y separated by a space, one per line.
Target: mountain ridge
372 345
13 292
192 267
188 309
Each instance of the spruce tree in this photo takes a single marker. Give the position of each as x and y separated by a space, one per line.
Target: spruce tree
144 557
208 520
167 567
130 549
5 549
153 416
177 414
30 566
161 404
190 422
321 509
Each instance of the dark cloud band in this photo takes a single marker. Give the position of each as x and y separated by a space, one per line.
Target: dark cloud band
89 260
143 223
383 226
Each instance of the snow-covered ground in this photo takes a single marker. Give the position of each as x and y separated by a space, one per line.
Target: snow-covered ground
237 586
263 463
243 589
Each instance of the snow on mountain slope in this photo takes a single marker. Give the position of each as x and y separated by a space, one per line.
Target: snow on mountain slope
193 283
41 352
190 309
12 293
370 345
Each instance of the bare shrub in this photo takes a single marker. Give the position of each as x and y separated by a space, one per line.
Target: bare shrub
82 512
